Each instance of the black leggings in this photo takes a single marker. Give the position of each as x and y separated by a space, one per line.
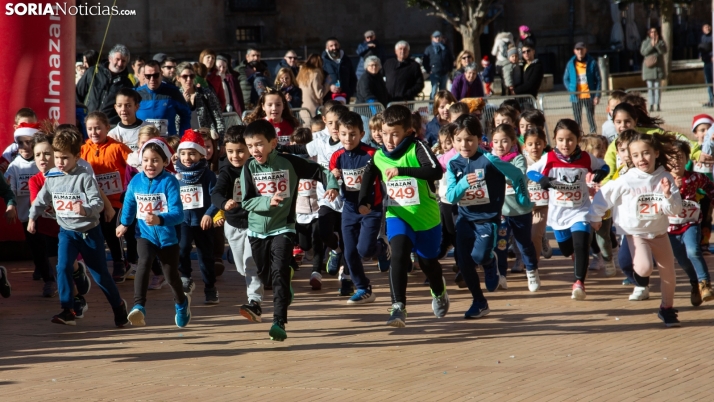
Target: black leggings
148 253
578 243
401 263
109 230
448 228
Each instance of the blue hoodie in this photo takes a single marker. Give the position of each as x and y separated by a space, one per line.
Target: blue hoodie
164 234
164 104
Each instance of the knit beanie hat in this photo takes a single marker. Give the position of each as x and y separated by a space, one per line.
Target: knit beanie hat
26 130
697 120
193 140
512 51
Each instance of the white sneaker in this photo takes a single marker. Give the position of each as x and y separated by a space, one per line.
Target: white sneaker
597 263
610 269
316 281
640 293
157 281
502 282
517 266
132 272
533 280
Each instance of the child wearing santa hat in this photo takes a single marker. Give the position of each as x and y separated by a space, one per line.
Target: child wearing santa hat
487 75
197 182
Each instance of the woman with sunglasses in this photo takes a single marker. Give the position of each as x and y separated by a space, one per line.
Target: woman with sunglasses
205 106
532 75
464 58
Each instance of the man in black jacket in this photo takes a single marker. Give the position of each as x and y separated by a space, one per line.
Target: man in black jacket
245 71
532 72
290 60
438 62
108 80
403 75
338 68
705 52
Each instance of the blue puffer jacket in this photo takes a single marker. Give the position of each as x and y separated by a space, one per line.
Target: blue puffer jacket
164 104
592 73
207 181
164 234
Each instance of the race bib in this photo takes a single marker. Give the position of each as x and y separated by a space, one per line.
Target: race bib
150 203
690 213
353 178
648 207
402 192
23 184
284 139
702 168
307 188
510 190
192 197
237 191
110 183
476 194
567 194
271 183
161 124
63 203
538 196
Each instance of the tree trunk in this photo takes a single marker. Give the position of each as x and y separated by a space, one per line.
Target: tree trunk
667 15
470 41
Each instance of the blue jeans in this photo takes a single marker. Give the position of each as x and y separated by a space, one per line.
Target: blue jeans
438 83
686 250
91 245
520 227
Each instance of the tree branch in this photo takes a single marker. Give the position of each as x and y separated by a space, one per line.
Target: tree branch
494 17
442 14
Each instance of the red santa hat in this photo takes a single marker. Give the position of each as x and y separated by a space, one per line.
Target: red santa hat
26 130
485 62
340 97
165 148
697 120
193 140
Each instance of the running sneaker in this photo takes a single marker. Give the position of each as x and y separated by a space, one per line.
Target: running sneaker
610 268
66 317
120 315
384 260
252 311
705 288
362 296
477 310
440 303
5 288
491 276
80 306
183 312
640 293
316 281
347 287
578 290
81 279
137 316
695 297
131 275
298 254
502 282
119 272
187 283
546 251
460 282
669 317
518 266
219 267
211 295
49 289
277 331
398 316
533 280
597 262
333 262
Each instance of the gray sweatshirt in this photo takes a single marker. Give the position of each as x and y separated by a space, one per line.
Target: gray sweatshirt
62 190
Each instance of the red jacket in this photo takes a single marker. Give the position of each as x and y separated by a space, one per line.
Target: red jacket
217 83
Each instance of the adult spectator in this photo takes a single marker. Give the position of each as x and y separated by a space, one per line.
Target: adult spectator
464 58
290 60
468 84
244 72
705 52
371 86
168 70
136 65
285 83
525 36
231 87
370 47
162 103
311 80
208 58
403 75
341 75
653 50
582 74
160 57
532 74
503 42
204 104
437 62
108 78
140 78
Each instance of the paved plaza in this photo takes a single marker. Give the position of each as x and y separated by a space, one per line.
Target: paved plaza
533 347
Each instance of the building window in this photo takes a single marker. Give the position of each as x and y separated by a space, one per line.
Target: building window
252 5
249 34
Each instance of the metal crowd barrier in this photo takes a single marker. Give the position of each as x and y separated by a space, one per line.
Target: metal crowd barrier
366 109
231 119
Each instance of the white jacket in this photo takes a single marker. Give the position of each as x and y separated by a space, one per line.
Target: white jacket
500 47
640 207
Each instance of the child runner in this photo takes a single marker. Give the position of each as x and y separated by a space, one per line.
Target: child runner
534 143
73 193
447 210
273 107
642 200
608 127
456 110
153 198
410 170
9 197
269 183
227 196
562 171
317 124
359 229
127 130
375 129
442 100
24 115
477 181
197 182
684 230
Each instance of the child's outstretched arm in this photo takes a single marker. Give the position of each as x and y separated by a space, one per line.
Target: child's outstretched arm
455 187
516 176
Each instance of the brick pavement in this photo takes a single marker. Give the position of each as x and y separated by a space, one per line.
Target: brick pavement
534 347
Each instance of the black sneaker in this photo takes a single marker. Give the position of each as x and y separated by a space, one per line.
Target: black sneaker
669 316
347 288
252 311
119 272
188 285
211 295
120 315
5 288
66 317
81 279
80 306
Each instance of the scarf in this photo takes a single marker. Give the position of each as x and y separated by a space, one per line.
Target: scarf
193 173
568 159
438 47
509 156
401 149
